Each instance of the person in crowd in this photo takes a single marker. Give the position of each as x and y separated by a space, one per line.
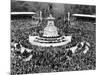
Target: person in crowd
20 51
84 46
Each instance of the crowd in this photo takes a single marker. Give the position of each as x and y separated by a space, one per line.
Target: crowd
44 57
32 59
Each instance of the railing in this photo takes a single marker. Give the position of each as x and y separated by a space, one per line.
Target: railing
84 15
21 13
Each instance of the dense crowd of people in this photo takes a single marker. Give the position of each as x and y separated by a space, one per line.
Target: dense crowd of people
26 58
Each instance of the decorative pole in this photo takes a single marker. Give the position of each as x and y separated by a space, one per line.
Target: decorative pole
68 18
41 16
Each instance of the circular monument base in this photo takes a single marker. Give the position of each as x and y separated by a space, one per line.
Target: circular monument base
48 42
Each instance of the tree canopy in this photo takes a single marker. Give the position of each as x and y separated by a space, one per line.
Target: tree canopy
57 8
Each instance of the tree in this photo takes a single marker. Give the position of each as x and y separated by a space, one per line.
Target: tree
84 9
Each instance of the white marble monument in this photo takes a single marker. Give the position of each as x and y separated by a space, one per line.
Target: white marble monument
50 36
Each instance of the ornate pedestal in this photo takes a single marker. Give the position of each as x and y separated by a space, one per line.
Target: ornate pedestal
50 30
